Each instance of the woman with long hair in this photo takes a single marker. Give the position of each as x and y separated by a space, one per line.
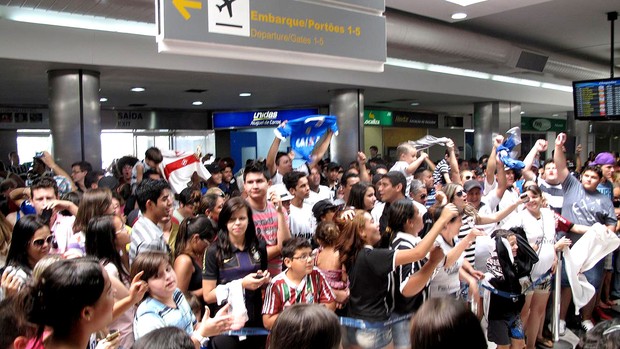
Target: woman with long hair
32 240
94 203
411 280
6 231
101 243
446 282
87 285
238 262
370 271
362 196
539 224
195 235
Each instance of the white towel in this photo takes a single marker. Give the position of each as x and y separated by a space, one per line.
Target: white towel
178 168
233 293
593 246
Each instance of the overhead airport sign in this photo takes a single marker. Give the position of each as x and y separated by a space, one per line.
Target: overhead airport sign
258 118
345 34
543 124
418 120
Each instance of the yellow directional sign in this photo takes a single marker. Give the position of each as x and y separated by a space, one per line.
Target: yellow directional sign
183 5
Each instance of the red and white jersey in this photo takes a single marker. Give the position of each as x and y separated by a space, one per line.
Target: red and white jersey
178 167
282 293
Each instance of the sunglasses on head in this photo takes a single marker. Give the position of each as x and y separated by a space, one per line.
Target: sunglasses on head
41 242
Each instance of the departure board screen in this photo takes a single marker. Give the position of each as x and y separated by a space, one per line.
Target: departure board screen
597 99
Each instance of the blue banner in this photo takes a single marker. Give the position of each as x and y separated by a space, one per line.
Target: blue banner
259 118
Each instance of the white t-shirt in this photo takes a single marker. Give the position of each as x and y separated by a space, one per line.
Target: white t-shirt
401 166
301 221
446 280
324 193
539 232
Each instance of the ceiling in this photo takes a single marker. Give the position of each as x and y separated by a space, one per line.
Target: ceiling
574 28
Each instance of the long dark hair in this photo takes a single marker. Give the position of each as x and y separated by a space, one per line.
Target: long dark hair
191 226
398 214
357 195
64 289
224 248
443 323
101 243
22 233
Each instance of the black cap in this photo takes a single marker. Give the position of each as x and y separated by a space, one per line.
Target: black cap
109 182
213 168
321 207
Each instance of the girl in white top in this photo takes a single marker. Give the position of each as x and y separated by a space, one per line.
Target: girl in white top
539 224
446 281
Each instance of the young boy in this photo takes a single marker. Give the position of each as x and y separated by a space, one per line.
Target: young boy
408 162
152 159
301 282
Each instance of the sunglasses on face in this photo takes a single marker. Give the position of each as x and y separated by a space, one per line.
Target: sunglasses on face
460 193
41 242
467 177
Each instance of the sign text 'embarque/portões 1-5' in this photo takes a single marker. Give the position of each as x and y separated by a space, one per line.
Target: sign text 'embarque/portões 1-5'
345 34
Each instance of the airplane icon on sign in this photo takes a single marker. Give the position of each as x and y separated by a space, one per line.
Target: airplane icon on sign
228 5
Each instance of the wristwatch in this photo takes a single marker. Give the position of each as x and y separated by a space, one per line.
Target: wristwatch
202 340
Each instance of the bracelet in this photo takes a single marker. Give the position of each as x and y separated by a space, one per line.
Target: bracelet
202 340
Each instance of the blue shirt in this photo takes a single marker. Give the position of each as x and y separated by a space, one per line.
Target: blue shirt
153 314
305 132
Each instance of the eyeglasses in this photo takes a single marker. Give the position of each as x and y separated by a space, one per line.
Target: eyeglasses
40 242
306 256
460 193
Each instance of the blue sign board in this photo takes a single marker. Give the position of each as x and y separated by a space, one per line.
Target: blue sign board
259 118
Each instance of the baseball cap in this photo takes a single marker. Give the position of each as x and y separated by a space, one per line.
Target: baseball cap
471 184
321 207
213 168
281 191
604 159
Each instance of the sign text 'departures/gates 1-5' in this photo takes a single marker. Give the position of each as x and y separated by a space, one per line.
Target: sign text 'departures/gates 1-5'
336 33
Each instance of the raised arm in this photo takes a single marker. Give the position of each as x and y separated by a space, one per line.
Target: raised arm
284 232
454 175
429 163
421 249
498 216
578 163
540 146
416 281
416 163
361 162
321 148
559 158
49 162
270 162
489 172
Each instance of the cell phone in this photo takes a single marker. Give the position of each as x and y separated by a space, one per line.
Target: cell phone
46 214
524 197
38 154
112 335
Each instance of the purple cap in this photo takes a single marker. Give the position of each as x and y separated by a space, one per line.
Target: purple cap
604 159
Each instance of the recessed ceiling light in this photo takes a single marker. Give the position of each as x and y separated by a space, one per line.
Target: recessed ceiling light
197 103
459 15
245 94
103 99
465 2
522 112
138 89
415 103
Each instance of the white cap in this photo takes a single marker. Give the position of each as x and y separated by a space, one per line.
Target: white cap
280 190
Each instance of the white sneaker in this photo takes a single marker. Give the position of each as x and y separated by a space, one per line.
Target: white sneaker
562 329
587 325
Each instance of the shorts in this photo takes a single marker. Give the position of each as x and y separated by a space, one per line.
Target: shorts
401 332
594 275
370 338
501 331
543 286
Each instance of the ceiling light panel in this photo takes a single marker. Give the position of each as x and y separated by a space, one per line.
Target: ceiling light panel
465 2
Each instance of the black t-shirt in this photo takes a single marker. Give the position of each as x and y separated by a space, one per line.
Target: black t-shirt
237 266
371 281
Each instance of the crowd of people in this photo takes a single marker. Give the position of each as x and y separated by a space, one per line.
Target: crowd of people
371 254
